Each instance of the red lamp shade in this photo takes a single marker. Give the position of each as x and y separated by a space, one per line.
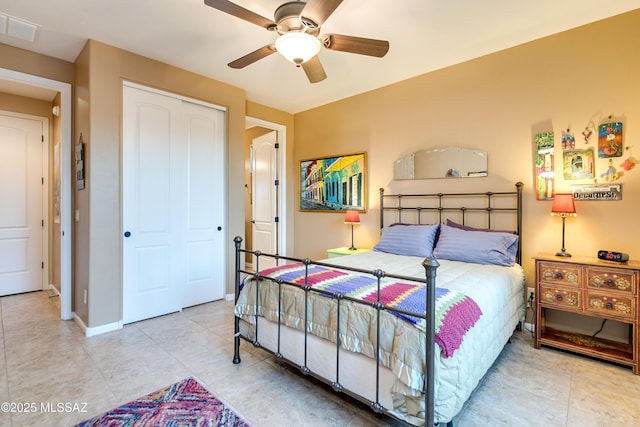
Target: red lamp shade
563 204
352 217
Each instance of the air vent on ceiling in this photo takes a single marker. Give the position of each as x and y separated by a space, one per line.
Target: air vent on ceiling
18 28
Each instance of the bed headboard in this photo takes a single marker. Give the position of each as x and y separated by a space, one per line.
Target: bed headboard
499 210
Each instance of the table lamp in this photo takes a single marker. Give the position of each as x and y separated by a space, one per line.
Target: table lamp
352 217
563 206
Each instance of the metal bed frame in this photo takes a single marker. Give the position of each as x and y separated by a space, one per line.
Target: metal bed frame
437 205
430 265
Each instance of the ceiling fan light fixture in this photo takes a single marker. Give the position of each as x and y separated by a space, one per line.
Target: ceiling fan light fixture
298 47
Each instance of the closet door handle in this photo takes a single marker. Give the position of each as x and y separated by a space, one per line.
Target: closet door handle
127 234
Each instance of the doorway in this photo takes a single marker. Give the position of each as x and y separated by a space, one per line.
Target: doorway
265 206
64 89
265 193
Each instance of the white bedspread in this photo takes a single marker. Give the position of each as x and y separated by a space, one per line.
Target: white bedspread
498 291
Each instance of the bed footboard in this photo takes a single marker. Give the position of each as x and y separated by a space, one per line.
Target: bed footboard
430 265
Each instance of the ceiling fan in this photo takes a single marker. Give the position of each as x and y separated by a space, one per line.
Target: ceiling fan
298 25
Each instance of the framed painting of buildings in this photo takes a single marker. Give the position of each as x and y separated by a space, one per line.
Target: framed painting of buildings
333 184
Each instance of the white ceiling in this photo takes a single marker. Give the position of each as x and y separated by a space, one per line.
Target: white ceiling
424 35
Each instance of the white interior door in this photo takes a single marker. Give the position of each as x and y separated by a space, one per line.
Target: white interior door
264 220
203 234
21 210
173 204
150 169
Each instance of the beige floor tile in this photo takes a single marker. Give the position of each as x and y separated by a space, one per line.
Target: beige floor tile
48 361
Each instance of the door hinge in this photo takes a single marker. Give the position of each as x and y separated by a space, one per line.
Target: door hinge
42 138
43 222
276 219
277 145
42 179
43 265
276 182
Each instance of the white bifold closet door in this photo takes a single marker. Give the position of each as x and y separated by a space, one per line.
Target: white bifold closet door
173 203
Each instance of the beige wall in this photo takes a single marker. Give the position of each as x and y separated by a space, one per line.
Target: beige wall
81 235
25 105
28 62
496 103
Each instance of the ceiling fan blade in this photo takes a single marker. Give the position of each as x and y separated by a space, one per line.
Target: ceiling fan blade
313 69
318 11
252 57
360 45
242 13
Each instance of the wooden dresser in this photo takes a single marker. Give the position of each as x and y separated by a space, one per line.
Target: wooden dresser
588 287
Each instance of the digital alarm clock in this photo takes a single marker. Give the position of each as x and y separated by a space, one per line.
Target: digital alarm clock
613 256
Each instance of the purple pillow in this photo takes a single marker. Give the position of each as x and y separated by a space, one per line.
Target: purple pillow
395 224
468 228
478 247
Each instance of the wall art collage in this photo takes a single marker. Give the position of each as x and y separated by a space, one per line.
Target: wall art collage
580 161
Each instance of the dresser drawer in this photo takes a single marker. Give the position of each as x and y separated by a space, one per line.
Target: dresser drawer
566 298
622 306
618 280
560 273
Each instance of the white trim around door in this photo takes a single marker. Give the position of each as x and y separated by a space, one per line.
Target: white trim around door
65 176
281 139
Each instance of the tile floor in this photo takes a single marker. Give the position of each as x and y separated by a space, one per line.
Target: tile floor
45 362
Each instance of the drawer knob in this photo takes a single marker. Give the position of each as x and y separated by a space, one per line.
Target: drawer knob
609 305
559 275
559 297
610 283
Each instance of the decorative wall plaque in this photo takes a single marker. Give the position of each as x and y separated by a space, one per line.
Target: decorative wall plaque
608 192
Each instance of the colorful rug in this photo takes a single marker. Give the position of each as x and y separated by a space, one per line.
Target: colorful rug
186 403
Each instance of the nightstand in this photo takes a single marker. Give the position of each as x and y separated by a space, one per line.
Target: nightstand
337 252
588 288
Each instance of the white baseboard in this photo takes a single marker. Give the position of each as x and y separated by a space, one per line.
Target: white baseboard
89 332
53 289
529 327
229 297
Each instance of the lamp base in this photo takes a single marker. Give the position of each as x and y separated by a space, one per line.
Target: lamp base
564 254
353 247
